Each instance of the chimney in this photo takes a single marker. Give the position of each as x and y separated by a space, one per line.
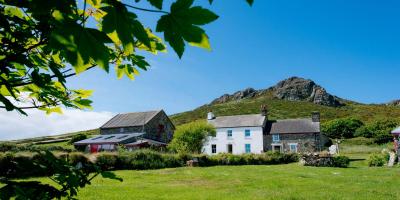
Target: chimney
264 110
315 116
210 115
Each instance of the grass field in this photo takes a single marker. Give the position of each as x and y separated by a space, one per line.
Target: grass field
289 181
250 182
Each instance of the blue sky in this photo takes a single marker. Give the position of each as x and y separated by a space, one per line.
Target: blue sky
352 48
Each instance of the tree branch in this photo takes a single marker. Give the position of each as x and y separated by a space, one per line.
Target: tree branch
147 10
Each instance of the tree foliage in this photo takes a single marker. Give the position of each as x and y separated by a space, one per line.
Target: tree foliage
341 128
190 138
65 175
45 42
378 129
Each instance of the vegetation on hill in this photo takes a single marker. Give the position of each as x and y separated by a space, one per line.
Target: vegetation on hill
284 109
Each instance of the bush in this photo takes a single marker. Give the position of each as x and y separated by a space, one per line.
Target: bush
77 137
106 161
341 161
77 157
341 128
189 138
376 160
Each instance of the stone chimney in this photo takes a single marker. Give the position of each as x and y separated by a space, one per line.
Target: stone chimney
315 116
210 115
264 110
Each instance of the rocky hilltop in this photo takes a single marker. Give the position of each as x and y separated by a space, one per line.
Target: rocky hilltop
394 103
292 89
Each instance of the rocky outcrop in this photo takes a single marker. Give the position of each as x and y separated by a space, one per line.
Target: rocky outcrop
246 93
394 103
292 89
300 89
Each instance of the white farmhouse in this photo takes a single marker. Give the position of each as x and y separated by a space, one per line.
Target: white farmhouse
255 133
236 134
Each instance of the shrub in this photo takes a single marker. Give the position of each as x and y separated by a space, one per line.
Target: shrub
341 161
106 161
77 157
77 137
189 138
146 159
376 160
7 146
341 128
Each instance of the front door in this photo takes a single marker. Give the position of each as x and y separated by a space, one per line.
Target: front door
277 148
230 148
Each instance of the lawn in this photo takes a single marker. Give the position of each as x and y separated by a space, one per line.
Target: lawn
250 182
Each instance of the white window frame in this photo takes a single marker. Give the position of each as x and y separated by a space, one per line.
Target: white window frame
245 133
273 138
212 148
290 147
227 134
121 130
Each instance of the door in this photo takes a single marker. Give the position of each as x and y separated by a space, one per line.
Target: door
277 148
230 148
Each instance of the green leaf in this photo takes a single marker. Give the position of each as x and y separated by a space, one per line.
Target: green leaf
156 3
52 110
182 25
82 46
250 2
123 25
200 16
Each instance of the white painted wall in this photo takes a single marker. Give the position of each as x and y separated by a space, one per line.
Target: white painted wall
238 140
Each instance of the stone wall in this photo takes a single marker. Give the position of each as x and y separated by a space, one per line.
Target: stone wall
306 142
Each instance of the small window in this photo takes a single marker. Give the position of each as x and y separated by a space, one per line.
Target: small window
276 138
213 148
229 134
121 130
293 147
247 148
247 133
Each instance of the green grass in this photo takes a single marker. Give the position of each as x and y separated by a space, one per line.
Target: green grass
249 182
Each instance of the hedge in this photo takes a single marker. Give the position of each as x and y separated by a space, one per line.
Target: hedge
25 165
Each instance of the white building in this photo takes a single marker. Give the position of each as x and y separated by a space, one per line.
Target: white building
236 134
256 134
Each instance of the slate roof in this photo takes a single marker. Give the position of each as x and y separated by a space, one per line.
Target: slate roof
396 131
109 139
238 121
292 126
130 119
141 141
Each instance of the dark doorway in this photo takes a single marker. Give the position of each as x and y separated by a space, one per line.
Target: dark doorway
230 148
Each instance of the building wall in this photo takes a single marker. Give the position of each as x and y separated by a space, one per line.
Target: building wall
306 142
152 129
238 140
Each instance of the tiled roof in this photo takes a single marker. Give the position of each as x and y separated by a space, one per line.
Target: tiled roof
148 141
130 119
238 121
110 139
293 126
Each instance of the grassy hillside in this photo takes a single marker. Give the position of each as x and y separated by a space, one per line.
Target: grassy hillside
283 109
59 140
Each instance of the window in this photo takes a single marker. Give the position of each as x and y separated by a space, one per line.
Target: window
229 134
247 133
213 148
293 147
121 130
247 148
275 138
230 148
